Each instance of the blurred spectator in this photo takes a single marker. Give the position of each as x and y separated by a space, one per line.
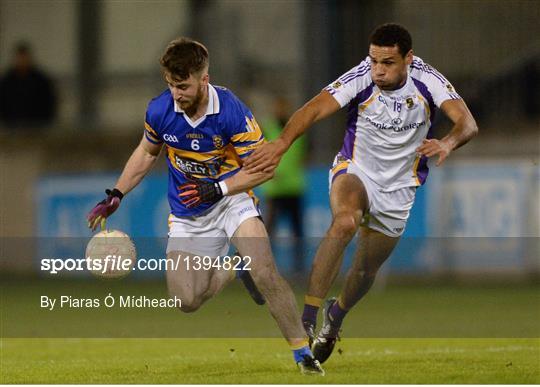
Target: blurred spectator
27 98
284 193
531 87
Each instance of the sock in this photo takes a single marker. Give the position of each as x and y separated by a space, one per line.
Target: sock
301 352
311 308
337 313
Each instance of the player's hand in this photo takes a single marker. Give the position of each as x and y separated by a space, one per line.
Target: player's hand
266 158
434 147
102 210
196 192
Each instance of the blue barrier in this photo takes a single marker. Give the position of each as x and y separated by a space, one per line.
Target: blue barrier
460 200
63 202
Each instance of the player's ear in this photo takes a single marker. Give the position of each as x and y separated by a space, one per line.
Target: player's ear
205 79
409 57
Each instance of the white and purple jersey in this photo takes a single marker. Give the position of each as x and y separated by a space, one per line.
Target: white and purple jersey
384 128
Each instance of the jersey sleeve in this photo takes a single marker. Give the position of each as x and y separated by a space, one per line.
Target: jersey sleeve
151 126
439 87
346 87
244 131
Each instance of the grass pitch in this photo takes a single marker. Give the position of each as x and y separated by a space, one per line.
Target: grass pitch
268 361
404 334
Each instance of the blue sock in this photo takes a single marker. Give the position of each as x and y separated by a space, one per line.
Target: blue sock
300 353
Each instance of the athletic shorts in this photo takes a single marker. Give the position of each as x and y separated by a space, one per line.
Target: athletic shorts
387 211
209 234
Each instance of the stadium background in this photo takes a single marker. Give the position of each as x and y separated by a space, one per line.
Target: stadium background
472 243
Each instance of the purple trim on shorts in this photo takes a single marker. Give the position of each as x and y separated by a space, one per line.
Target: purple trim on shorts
352 117
422 170
340 172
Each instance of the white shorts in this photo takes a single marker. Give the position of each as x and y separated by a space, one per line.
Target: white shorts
209 234
387 211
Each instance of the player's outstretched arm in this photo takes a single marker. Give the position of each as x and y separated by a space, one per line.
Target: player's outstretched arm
464 130
138 165
198 191
266 158
244 181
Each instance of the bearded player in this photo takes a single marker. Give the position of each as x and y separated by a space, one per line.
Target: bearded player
392 97
207 132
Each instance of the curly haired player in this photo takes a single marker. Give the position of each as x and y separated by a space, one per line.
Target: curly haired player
391 97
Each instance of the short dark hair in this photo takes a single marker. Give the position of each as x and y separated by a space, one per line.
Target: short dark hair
391 34
183 57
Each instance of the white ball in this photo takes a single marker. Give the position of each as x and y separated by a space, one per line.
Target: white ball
110 254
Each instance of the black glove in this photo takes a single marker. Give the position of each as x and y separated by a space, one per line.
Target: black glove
196 192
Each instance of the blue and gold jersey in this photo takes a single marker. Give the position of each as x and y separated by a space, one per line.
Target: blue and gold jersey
211 148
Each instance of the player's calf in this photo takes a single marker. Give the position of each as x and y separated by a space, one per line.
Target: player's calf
244 275
357 284
266 278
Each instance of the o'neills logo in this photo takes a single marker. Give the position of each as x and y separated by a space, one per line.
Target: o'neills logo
395 126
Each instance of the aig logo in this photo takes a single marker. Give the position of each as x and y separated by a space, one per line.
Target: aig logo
170 138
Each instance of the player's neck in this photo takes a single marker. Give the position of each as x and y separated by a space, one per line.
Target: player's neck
201 108
399 85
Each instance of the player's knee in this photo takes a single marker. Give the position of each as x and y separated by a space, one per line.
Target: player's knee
189 302
189 307
346 224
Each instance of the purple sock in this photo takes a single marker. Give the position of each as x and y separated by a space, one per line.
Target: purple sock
337 314
310 314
